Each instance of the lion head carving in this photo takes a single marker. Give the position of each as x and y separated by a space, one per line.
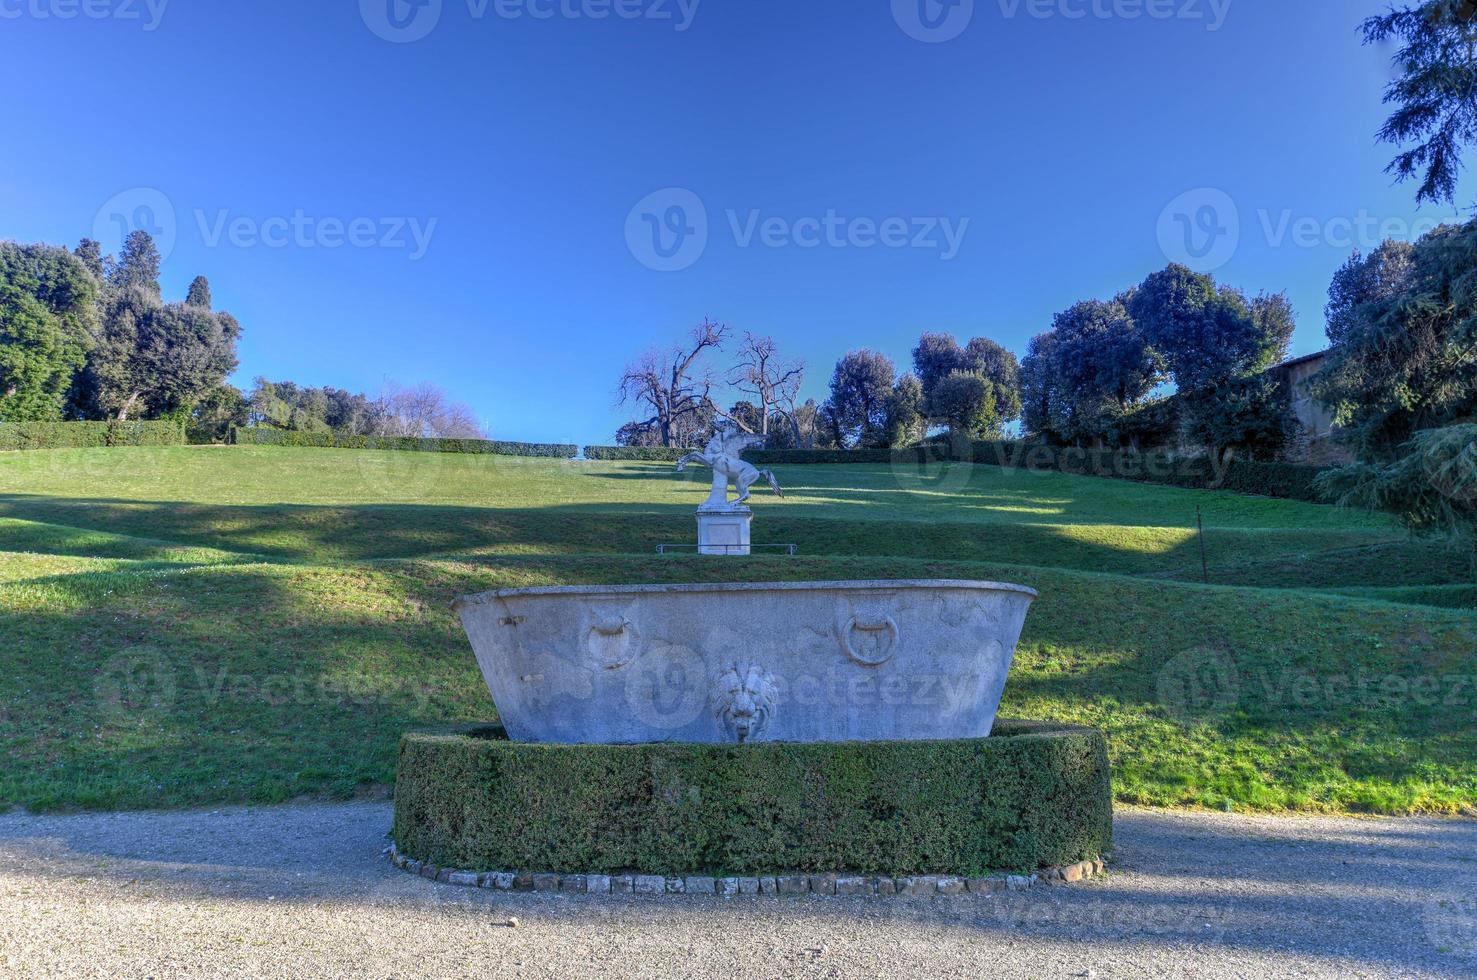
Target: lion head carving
743 697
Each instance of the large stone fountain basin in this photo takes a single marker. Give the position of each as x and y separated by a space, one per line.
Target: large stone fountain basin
771 661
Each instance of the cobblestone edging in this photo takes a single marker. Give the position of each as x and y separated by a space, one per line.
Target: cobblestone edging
797 884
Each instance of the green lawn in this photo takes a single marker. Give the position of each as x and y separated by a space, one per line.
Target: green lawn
189 626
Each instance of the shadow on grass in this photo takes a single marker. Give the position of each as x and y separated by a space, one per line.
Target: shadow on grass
410 530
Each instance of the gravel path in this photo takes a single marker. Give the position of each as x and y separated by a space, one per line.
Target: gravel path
302 892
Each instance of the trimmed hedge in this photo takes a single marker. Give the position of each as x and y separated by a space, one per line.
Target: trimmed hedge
647 454
331 440
1032 795
84 435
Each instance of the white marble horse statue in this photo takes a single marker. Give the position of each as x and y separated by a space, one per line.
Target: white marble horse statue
723 454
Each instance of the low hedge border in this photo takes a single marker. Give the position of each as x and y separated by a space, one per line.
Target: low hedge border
87 435
856 886
1291 481
330 440
1033 795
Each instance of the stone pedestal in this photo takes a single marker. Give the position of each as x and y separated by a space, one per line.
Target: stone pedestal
723 531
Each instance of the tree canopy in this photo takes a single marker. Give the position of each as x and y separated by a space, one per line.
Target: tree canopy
1434 93
1403 324
47 314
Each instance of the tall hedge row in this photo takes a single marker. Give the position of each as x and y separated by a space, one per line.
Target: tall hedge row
329 440
648 454
1032 795
1288 480
84 435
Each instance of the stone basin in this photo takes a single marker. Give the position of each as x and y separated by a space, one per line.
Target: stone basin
746 662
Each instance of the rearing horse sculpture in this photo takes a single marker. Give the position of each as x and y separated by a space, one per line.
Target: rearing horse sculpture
722 454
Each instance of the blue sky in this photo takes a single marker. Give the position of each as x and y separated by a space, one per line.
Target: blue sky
512 198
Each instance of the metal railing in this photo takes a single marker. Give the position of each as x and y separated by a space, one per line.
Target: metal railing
728 549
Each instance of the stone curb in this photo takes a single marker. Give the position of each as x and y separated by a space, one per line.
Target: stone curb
909 886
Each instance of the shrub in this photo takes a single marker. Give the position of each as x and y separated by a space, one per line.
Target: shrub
82 435
331 440
1032 795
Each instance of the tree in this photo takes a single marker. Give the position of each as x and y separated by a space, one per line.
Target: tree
1435 106
907 423
138 265
861 390
1252 414
1384 274
1431 485
154 360
1084 378
1042 396
938 358
761 372
1404 357
1401 379
424 411
199 294
966 402
1205 333
748 417
216 413
285 405
935 358
998 366
1212 339
674 386
91 255
47 301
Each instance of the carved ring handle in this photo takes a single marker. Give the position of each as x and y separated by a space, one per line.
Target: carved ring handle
883 624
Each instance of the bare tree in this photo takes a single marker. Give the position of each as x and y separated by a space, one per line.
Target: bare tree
674 385
761 372
424 411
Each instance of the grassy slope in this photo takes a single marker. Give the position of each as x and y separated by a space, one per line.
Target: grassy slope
255 624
